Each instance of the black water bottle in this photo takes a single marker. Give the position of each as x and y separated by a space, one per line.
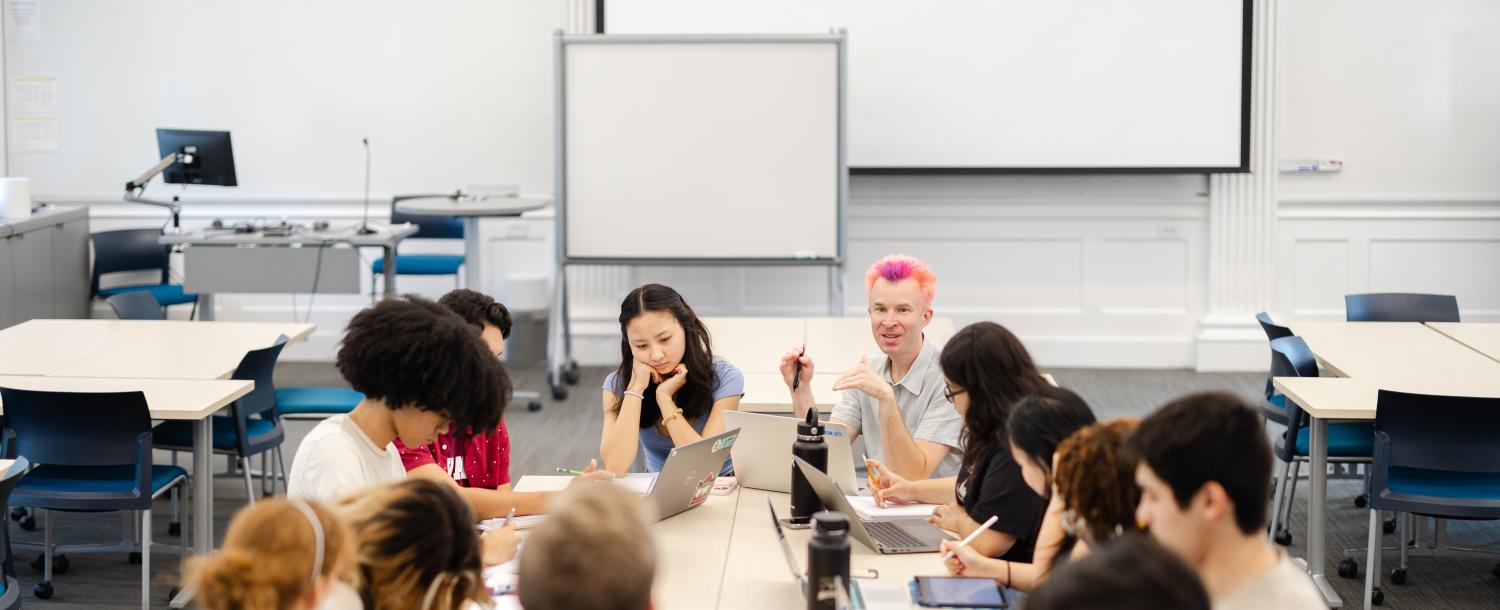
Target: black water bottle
827 558
810 447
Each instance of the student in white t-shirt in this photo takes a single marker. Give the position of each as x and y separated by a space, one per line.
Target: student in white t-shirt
422 369
1203 463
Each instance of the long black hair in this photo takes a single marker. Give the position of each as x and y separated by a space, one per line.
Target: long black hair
696 395
1040 422
995 370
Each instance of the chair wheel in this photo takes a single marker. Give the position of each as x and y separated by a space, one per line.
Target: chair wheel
1389 527
59 564
570 374
135 558
559 392
534 406
1284 538
43 590
174 529
1398 576
27 522
1361 501
17 512
1377 597
1349 568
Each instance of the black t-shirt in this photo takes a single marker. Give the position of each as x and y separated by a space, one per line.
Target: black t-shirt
999 489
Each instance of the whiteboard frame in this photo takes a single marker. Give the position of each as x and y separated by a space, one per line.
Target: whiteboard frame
561 368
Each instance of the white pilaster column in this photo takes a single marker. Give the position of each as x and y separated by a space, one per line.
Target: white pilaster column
1242 224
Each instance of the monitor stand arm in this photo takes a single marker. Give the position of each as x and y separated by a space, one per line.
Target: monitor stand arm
135 188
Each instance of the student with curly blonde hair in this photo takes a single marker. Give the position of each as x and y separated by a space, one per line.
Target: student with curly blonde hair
278 555
416 547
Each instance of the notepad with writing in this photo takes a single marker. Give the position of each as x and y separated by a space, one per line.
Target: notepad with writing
865 506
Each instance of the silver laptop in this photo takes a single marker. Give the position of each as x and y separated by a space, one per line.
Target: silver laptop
868 594
688 475
886 536
786 549
763 455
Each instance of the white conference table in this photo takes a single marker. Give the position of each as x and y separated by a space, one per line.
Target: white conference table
1479 336
183 368
1368 357
724 554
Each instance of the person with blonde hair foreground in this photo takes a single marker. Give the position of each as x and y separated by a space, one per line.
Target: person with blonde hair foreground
593 552
278 555
416 547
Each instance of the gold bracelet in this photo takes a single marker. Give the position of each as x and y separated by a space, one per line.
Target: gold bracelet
671 416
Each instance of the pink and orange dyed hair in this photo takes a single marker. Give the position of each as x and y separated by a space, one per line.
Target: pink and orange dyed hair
897 267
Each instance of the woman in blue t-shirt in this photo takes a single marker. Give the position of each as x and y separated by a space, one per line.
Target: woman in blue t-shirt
670 390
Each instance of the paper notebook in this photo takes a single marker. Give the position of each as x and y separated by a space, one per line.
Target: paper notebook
865 506
638 482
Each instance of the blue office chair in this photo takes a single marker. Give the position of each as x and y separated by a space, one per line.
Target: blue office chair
138 305
315 402
1401 307
251 429
10 597
1348 442
428 227
94 451
1273 408
136 250
1434 456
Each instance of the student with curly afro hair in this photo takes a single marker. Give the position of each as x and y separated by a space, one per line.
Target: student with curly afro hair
422 369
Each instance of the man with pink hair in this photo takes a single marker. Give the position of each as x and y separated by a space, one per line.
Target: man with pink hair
895 398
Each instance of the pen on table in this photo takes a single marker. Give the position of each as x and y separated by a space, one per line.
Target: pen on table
970 538
797 376
576 473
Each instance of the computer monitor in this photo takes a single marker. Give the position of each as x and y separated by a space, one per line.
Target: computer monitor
213 158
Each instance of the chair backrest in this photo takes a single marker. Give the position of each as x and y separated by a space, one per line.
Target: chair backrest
80 428
1290 357
258 365
128 250
1401 307
136 305
1273 330
429 227
1451 433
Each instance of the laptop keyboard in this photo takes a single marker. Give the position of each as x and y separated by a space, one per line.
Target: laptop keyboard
893 535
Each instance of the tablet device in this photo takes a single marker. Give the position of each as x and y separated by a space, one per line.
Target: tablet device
958 592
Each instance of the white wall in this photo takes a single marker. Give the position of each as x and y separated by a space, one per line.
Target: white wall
1106 270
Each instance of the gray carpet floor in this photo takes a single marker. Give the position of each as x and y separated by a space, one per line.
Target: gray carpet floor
565 433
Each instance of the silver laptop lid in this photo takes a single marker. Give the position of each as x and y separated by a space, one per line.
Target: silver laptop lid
786 548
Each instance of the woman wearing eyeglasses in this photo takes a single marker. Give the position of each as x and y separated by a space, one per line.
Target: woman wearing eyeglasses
1093 503
987 370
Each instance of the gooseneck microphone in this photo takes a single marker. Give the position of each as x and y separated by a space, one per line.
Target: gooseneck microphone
364 225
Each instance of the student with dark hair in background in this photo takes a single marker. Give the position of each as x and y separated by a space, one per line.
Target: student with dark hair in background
670 390
986 369
1037 425
477 463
